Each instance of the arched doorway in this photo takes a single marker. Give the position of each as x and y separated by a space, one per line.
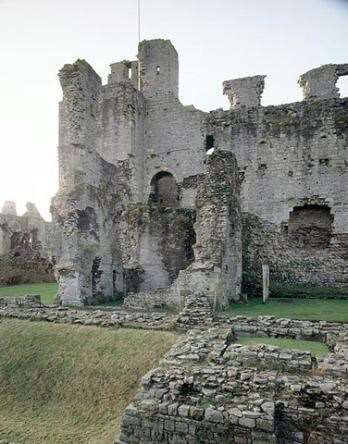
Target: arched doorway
164 190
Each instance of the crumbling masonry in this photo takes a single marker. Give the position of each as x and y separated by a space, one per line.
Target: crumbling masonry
158 200
146 211
28 246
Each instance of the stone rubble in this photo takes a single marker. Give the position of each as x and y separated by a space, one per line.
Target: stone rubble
210 389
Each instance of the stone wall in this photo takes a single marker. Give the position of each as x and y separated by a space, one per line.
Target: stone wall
28 246
136 160
208 389
291 157
91 192
216 270
297 265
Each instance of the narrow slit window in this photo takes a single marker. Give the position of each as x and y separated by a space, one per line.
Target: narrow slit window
158 70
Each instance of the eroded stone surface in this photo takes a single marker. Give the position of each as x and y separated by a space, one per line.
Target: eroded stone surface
158 200
29 246
209 390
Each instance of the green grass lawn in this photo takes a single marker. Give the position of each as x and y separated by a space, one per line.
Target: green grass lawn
296 308
70 384
316 348
46 290
312 309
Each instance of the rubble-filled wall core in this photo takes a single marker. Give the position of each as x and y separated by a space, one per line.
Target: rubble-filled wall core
144 208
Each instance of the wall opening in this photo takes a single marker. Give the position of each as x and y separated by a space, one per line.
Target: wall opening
158 70
175 229
311 225
342 85
33 237
96 273
209 142
164 190
190 240
114 276
15 240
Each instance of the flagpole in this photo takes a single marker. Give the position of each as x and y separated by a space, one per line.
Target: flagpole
139 37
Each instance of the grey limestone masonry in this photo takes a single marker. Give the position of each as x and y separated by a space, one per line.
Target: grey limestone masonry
135 188
28 246
166 206
158 200
209 388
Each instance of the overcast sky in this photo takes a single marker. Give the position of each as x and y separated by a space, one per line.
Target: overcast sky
216 40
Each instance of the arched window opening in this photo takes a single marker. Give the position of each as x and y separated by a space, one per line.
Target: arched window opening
311 225
164 190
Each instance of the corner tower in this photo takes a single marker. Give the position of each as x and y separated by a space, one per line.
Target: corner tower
159 67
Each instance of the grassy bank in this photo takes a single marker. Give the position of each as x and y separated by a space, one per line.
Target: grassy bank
70 384
47 291
312 309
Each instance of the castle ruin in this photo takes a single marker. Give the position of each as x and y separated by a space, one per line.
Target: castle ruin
158 200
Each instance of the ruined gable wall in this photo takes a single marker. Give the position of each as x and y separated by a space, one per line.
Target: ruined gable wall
288 156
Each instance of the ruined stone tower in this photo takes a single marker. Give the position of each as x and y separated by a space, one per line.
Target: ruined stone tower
144 212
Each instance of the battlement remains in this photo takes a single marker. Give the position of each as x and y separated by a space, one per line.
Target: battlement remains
124 71
244 92
320 83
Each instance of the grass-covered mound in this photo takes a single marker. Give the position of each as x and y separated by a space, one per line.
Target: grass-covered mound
70 384
316 348
48 291
311 309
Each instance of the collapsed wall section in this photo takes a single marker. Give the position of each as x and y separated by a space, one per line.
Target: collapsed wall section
216 270
210 389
